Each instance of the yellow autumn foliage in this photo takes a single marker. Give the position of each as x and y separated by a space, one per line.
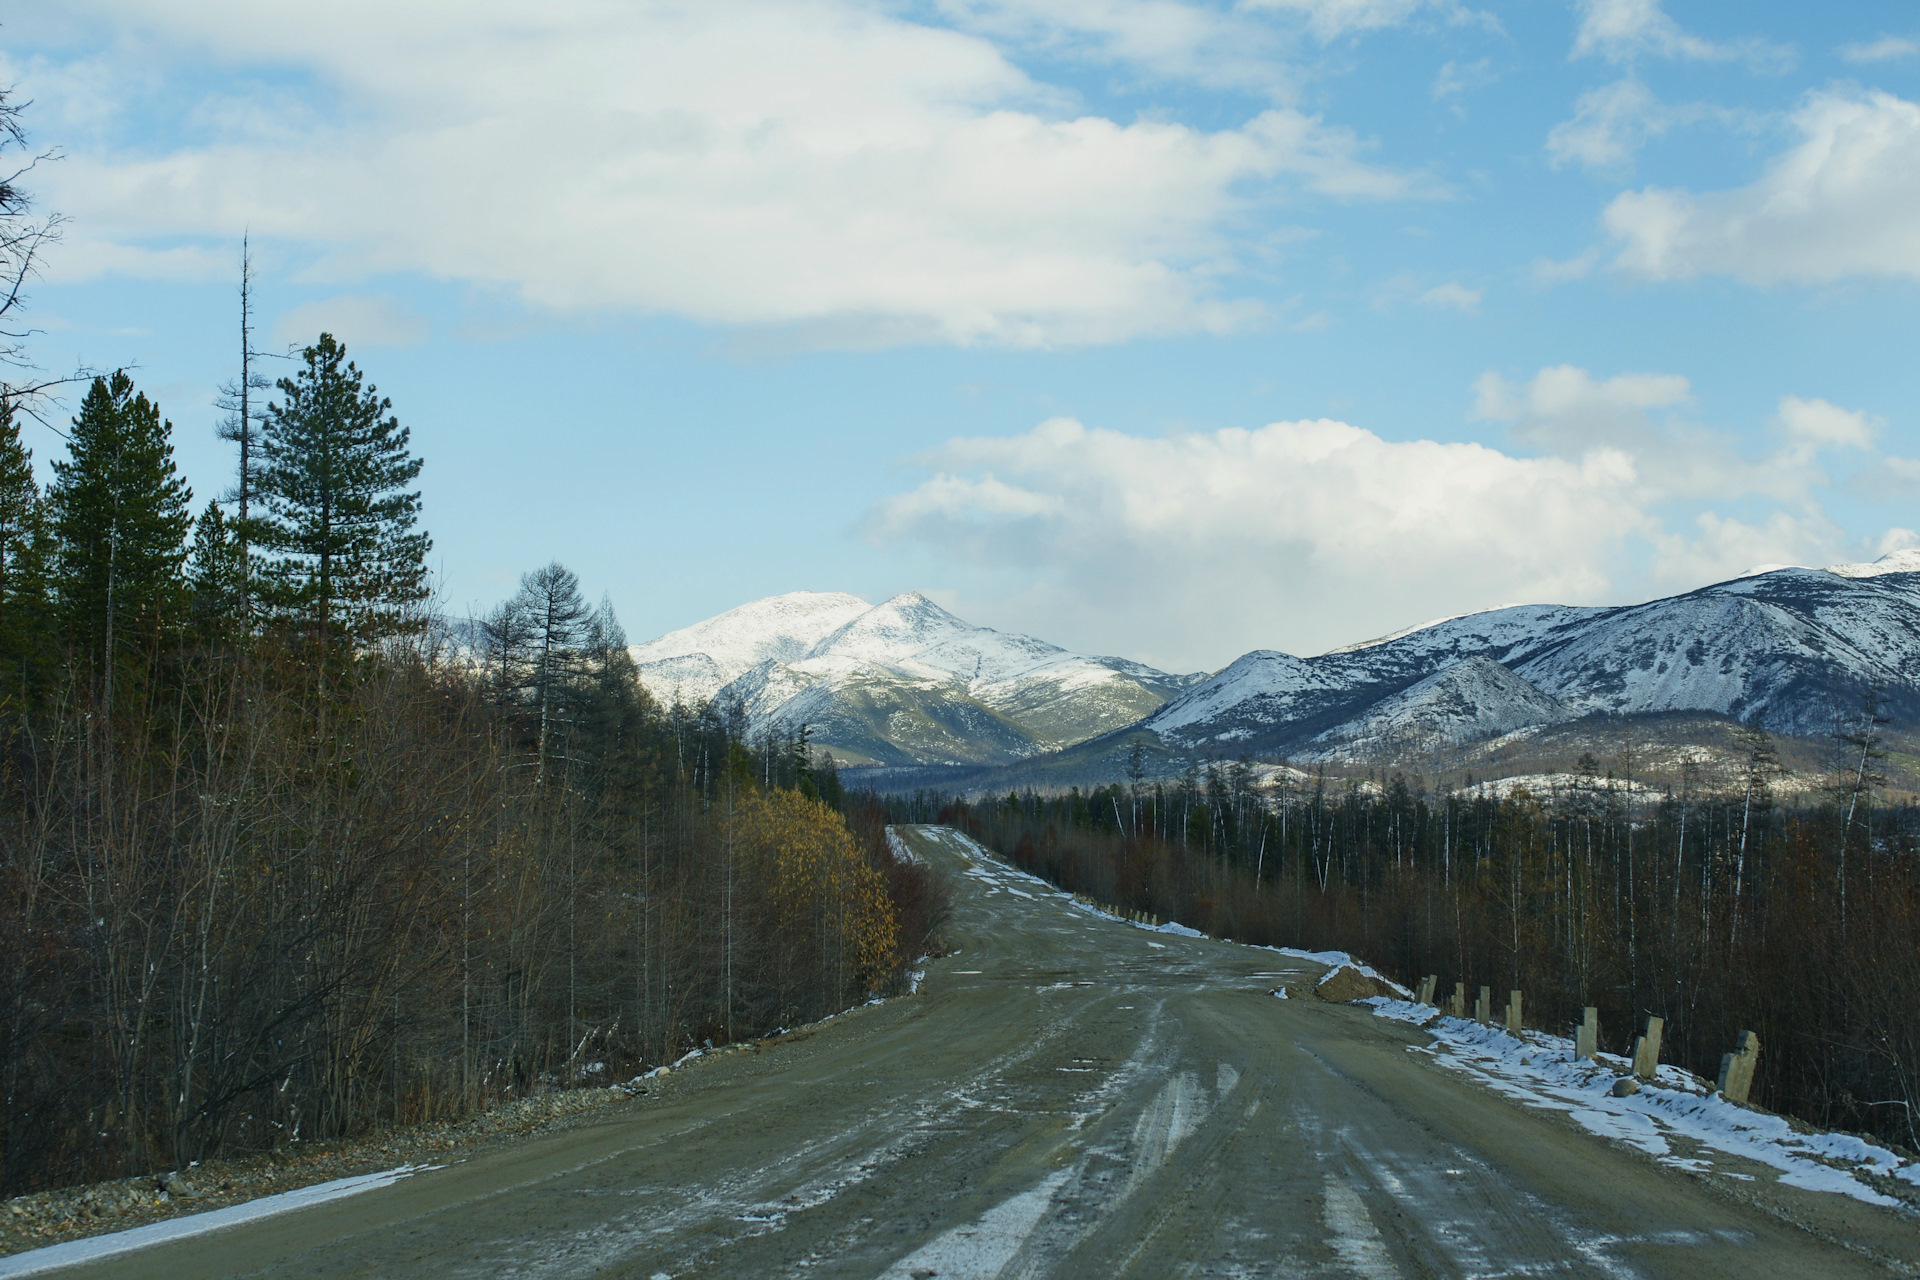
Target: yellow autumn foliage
831 905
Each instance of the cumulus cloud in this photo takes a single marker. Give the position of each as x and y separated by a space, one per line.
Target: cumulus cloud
1567 410
1622 30
1839 204
1298 534
356 319
1820 424
1307 535
823 165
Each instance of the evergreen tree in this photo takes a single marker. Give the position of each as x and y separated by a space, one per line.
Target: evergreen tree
217 576
19 500
119 517
25 624
335 512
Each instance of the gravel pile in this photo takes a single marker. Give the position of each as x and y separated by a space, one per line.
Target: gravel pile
49 1217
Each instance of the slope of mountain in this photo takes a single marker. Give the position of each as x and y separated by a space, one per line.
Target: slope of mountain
901 682
1786 650
1466 702
693 663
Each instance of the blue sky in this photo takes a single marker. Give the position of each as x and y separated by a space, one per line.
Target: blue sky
1164 329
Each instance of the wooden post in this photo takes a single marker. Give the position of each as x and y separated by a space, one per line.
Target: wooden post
1483 1007
1459 1009
1427 984
1646 1050
1586 1041
1513 1014
1736 1068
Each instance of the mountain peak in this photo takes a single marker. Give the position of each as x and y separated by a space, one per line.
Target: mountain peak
1903 561
694 662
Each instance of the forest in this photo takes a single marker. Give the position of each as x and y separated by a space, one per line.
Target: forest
1749 901
286 855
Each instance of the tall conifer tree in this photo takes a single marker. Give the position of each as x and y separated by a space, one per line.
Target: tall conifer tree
25 625
217 576
119 516
335 511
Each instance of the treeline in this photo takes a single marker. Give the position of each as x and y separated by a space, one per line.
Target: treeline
285 857
1710 903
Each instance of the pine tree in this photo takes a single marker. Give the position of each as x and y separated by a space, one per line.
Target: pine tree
119 516
335 512
19 499
217 577
25 624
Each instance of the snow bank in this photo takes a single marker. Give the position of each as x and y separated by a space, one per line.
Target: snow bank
898 848
1338 960
1539 1070
94 1248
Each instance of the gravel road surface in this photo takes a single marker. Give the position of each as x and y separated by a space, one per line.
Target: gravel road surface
1067 1096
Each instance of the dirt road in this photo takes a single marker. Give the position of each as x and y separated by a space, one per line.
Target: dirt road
1067 1096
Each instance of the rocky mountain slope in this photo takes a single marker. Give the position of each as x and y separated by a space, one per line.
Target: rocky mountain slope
900 683
1787 650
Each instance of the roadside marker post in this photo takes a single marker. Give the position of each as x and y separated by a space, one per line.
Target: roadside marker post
1736 1068
1483 1007
1459 1009
1513 1014
1646 1050
1586 1041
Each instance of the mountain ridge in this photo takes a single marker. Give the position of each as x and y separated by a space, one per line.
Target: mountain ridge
905 683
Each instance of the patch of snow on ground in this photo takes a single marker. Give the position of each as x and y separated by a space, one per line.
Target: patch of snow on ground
898 848
94 1248
1539 1070
1338 960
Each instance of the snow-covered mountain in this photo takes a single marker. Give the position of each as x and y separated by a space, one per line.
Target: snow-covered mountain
694 663
1786 649
901 682
1467 701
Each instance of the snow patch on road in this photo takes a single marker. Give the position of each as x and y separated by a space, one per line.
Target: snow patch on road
1539 1070
1355 1239
93 1249
982 1249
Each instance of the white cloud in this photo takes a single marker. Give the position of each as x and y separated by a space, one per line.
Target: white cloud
1621 30
357 320
1307 535
1453 296
1881 50
1330 19
1456 78
1567 410
1839 204
1821 424
1298 534
1161 37
1713 548
1610 124
818 165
